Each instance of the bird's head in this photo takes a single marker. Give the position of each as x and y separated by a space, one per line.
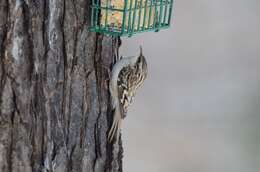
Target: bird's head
141 66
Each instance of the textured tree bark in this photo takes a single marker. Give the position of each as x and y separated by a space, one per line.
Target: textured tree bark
55 109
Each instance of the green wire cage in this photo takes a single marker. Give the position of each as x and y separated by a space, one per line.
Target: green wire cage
128 17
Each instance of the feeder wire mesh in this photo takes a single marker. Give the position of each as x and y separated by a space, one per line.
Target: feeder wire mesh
128 17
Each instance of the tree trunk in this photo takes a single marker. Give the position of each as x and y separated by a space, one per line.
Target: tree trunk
55 105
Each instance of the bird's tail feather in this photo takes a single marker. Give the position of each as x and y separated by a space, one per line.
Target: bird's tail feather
116 126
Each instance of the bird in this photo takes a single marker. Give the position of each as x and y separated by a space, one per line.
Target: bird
128 74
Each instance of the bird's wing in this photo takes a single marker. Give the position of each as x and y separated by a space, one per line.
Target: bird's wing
125 100
124 89
120 93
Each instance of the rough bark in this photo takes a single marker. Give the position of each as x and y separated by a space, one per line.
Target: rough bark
55 109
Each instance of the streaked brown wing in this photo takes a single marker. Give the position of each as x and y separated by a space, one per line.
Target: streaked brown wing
124 89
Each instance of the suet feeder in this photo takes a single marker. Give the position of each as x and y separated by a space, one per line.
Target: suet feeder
128 17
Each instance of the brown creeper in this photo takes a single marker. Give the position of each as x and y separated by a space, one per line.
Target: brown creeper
128 74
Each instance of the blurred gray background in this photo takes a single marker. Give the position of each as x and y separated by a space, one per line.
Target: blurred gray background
199 109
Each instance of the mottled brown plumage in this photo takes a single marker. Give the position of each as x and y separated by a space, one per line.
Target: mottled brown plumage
128 74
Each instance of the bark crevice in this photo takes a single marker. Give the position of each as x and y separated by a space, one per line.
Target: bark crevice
54 97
